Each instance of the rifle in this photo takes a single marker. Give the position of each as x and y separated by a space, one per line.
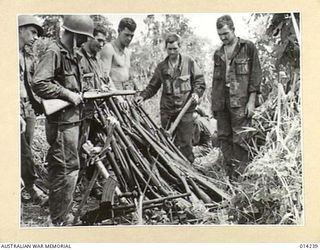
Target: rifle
110 211
178 119
53 105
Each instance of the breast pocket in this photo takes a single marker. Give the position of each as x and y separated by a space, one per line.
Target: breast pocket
183 83
242 66
88 81
217 71
71 82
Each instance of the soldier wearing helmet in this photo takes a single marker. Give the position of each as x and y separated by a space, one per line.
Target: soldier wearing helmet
58 75
29 30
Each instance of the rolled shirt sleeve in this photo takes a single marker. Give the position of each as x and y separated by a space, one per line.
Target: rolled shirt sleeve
153 86
198 81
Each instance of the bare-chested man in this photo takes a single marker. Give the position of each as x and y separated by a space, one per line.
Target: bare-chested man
116 55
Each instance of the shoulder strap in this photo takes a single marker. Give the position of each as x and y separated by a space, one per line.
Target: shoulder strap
26 79
236 52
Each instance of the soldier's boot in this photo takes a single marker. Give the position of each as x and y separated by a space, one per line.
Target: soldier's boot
37 195
68 221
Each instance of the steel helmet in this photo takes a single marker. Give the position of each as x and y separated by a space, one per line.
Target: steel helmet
24 20
78 24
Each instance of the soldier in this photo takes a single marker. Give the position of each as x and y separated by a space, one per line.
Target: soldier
90 62
93 78
236 82
202 138
29 30
181 79
58 75
116 55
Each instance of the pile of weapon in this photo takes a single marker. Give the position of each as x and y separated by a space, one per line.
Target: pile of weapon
142 167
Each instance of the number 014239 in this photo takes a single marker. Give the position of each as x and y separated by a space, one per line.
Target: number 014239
310 245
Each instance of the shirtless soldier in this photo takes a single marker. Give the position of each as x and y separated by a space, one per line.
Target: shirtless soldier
116 56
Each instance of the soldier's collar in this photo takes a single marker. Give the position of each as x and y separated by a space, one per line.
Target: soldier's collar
87 53
62 47
221 50
179 63
69 54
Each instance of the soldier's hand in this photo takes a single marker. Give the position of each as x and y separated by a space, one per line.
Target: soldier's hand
122 102
75 98
138 100
195 98
105 87
23 125
250 109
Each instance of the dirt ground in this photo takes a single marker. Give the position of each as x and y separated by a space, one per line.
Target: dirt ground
33 215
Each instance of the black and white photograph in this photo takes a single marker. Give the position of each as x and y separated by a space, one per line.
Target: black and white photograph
171 119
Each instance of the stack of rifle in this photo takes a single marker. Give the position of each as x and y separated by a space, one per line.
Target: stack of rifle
147 166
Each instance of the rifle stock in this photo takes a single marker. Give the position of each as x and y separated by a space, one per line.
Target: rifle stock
178 119
51 106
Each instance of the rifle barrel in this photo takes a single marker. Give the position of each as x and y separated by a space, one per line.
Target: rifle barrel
51 106
100 94
152 201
